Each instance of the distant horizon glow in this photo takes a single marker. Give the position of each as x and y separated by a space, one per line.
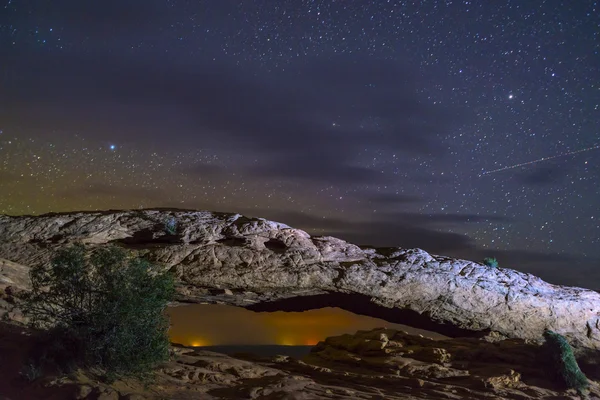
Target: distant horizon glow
219 325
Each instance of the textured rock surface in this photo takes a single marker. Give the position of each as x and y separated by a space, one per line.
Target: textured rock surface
228 258
464 368
378 364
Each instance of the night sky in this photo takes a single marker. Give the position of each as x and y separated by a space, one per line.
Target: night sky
466 128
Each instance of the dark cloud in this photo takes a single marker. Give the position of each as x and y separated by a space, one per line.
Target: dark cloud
129 193
437 180
390 234
559 269
443 219
392 199
203 170
309 122
386 229
546 175
96 21
327 170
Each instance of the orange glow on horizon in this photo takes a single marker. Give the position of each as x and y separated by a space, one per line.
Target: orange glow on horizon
286 342
198 343
213 325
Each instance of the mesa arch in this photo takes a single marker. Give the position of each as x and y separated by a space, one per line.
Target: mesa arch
260 264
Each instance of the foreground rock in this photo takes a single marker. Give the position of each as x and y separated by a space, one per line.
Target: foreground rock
231 259
378 364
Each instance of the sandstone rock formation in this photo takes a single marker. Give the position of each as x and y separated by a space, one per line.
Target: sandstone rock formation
231 259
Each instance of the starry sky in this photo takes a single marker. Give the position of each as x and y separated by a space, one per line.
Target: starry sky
466 128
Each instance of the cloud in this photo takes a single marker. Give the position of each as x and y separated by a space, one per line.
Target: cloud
310 121
203 170
546 175
385 229
437 180
559 269
391 199
118 192
437 219
326 170
89 20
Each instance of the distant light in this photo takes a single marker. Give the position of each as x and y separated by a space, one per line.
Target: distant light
510 96
112 147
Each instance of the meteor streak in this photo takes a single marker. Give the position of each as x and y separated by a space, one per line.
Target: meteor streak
569 153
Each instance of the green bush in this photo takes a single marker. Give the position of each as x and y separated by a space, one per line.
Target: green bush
106 309
490 262
562 362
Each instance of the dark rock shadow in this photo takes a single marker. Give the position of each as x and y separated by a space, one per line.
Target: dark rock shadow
147 238
362 305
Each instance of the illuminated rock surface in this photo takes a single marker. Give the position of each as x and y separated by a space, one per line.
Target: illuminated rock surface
264 265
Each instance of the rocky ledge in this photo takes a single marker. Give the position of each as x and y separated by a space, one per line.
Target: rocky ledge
377 364
264 265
